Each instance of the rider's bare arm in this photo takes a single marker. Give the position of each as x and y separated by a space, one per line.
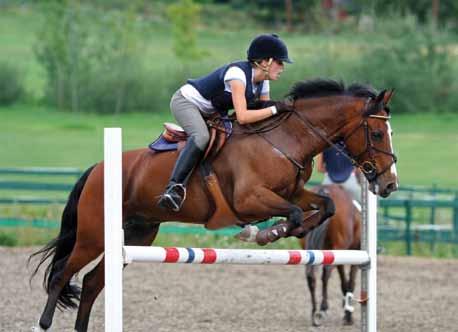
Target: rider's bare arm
245 116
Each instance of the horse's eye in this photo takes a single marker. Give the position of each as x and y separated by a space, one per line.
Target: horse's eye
377 135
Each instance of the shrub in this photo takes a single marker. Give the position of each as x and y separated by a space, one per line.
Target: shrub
416 61
7 240
11 87
93 59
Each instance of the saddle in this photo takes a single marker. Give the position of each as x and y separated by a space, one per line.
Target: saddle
174 137
220 128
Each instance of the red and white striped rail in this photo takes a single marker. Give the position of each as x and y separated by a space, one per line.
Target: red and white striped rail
244 256
116 254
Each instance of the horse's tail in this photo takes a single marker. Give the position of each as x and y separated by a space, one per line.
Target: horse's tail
61 247
315 238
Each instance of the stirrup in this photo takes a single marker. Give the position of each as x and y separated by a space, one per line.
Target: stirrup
173 198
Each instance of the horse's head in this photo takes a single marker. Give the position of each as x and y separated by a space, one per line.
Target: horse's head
358 116
370 145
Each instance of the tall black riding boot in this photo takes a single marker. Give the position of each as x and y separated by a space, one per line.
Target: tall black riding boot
175 193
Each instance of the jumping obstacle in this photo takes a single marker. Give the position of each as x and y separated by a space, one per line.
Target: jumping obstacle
117 254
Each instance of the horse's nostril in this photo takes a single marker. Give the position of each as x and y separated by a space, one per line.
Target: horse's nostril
392 187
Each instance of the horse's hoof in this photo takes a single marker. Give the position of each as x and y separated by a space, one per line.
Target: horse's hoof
39 329
348 318
318 318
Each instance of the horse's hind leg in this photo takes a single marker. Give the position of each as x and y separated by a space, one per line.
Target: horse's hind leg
79 258
94 281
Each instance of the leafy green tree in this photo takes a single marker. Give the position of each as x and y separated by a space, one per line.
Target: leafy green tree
92 57
184 16
11 85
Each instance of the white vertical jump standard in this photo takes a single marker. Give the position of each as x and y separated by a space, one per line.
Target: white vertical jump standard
114 236
116 254
369 271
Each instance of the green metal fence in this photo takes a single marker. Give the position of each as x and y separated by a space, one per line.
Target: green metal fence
411 215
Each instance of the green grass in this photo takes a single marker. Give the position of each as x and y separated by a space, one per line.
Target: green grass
426 144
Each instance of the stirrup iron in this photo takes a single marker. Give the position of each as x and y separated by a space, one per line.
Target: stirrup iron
177 189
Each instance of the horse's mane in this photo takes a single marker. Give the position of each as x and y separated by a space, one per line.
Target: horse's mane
326 87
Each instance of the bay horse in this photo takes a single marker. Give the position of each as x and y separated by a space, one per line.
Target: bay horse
342 231
262 170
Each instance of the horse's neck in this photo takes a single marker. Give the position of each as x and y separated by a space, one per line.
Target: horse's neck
331 118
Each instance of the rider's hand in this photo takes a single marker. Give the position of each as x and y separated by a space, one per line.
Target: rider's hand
258 104
284 106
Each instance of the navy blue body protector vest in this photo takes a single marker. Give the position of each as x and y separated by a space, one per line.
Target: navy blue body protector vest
338 166
211 86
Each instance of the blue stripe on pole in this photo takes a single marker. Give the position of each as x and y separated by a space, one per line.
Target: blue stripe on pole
191 255
312 257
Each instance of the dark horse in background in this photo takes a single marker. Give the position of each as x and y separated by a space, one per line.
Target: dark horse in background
262 171
342 231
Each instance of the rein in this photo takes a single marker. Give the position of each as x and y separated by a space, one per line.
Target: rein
367 167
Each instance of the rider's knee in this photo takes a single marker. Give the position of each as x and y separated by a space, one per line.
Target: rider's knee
201 140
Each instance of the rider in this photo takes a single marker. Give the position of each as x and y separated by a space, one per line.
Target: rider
235 85
338 169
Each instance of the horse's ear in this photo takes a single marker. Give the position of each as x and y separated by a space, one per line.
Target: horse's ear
387 96
377 103
380 97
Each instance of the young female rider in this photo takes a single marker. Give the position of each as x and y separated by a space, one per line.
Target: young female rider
235 85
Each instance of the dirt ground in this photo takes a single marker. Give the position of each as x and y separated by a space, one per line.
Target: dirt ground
414 294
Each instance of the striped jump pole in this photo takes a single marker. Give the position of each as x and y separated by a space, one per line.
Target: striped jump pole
244 256
117 254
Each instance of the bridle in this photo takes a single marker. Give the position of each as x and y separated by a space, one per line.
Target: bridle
368 167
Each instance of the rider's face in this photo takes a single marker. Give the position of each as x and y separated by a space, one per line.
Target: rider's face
276 68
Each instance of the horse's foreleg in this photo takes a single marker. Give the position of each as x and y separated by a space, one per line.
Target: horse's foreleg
311 282
140 234
322 208
348 300
343 279
261 203
327 269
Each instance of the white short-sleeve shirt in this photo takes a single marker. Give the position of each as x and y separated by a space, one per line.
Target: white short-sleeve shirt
233 73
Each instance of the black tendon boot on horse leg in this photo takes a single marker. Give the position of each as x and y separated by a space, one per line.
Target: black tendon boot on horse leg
175 192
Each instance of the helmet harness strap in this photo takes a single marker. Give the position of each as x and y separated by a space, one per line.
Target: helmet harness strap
265 69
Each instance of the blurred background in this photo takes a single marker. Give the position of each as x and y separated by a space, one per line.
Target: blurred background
70 68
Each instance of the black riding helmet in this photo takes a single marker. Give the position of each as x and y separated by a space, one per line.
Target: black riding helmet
268 46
